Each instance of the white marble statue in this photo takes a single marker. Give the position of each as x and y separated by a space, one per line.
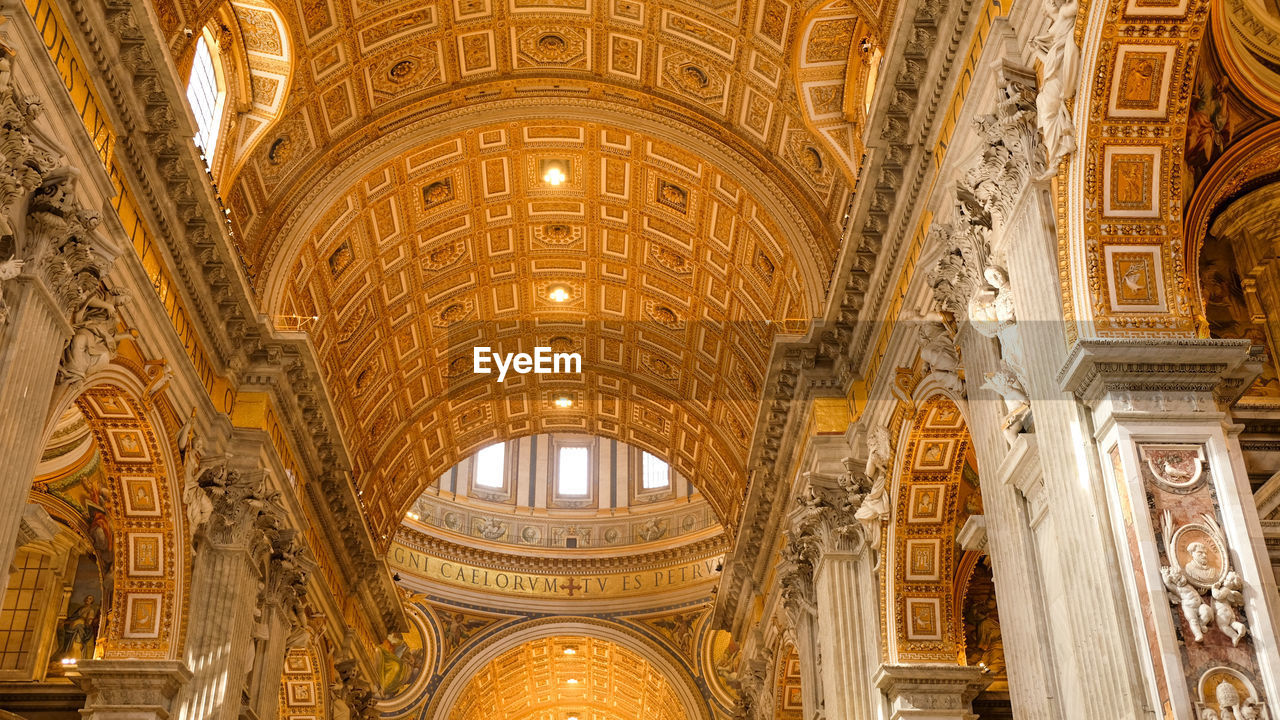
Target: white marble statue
1005 383
1227 596
875 504
1185 595
1060 72
939 352
94 337
196 500
9 269
878 457
992 313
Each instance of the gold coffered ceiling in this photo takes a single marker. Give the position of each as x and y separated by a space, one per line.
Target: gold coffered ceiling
601 680
711 145
766 77
678 283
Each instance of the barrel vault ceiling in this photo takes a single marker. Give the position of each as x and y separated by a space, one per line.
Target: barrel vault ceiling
388 182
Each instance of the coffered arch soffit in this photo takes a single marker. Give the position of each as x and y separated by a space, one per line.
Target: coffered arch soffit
935 491
679 283
1126 182
839 50
522 672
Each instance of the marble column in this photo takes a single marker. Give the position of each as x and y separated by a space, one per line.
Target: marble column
829 537
232 551
58 295
1196 574
796 576
930 692
129 689
849 622
1067 631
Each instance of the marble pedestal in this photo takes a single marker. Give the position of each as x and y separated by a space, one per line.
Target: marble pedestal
930 692
129 689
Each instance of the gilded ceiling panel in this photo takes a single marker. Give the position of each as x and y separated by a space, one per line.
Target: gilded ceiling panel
676 284
363 67
550 677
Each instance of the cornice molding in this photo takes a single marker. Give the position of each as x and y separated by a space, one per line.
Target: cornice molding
446 550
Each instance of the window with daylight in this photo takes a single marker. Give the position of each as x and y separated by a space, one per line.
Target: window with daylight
655 473
573 471
205 96
490 466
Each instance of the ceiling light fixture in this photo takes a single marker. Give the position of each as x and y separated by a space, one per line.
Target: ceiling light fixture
572 681
564 401
570 650
555 172
558 293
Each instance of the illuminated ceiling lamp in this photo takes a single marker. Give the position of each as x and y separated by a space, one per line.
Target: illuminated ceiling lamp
563 402
554 172
559 293
570 650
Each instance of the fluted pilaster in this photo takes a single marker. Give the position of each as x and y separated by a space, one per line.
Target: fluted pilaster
29 348
223 646
847 613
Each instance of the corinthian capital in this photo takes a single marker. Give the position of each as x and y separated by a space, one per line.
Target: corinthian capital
755 687
824 519
238 508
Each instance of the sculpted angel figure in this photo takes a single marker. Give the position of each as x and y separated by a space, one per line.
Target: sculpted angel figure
939 352
194 497
1005 383
1060 72
9 269
1182 589
94 338
1227 596
992 313
1183 594
875 505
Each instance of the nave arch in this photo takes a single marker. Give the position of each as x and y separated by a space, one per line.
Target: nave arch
616 644
138 523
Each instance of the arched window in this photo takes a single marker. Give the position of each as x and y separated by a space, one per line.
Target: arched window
656 474
491 466
205 94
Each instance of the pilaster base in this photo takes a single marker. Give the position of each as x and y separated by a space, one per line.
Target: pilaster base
931 692
129 689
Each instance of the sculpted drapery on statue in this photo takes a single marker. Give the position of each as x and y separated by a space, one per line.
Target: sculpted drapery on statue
870 491
755 686
1059 73
938 351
